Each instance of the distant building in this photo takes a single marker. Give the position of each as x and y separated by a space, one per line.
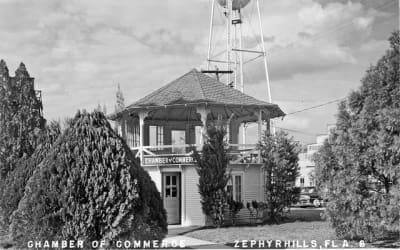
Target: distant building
306 162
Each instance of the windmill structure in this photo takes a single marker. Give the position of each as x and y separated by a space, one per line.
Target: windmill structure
229 61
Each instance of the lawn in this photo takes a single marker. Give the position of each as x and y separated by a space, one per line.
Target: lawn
303 225
299 230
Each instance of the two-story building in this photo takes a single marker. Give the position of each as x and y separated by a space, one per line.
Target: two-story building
162 127
306 176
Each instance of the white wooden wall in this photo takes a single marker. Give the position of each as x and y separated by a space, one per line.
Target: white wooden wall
192 212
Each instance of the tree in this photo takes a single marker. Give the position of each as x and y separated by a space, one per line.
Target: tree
213 177
89 187
280 156
20 117
359 167
20 124
14 187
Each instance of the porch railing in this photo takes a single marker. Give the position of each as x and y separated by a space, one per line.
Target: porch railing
173 154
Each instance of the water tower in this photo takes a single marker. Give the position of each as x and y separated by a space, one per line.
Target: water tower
231 65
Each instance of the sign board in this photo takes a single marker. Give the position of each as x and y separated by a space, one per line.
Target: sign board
159 160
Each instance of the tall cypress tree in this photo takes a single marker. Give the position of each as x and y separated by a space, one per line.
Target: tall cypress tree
280 155
20 117
213 178
359 168
20 124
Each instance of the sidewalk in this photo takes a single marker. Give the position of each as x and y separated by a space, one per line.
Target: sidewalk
176 234
190 242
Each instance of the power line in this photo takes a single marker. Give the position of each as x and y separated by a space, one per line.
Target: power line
316 106
297 131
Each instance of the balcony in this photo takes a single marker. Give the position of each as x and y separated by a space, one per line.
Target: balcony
183 154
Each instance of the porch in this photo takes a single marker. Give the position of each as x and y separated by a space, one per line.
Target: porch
183 154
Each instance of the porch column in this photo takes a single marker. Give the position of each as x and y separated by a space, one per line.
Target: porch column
203 114
268 128
234 130
228 127
142 116
259 131
123 125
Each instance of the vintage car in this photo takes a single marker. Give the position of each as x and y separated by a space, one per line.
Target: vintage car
309 197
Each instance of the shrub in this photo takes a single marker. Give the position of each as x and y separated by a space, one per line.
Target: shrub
89 187
211 167
358 169
255 208
14 186
280 156
234 208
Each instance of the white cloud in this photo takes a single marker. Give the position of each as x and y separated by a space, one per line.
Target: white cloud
78 50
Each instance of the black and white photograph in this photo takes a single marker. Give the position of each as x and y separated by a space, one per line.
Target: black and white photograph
199 124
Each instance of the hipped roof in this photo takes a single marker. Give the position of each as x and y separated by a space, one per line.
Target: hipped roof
196 88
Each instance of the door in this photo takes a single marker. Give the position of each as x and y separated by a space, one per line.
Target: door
172 197
178 137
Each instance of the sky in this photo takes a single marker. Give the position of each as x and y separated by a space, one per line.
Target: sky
79 50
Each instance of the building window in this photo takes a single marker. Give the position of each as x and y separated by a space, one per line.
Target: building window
238 188
302 182
156 135
178 141
132 135
234 187
171 186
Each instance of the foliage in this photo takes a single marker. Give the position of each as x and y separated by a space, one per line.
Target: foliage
358 169
234 208
212 169
20 117
15 185
20 124
280 155
255 208
89 187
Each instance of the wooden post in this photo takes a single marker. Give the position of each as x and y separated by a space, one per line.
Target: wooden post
142 116
228 127
259 132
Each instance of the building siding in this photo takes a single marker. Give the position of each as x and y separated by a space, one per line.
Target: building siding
155 175
251 190
193 214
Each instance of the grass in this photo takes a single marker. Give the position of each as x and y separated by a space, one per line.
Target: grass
300 230
301 225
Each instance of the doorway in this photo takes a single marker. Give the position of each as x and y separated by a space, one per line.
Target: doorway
172 196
